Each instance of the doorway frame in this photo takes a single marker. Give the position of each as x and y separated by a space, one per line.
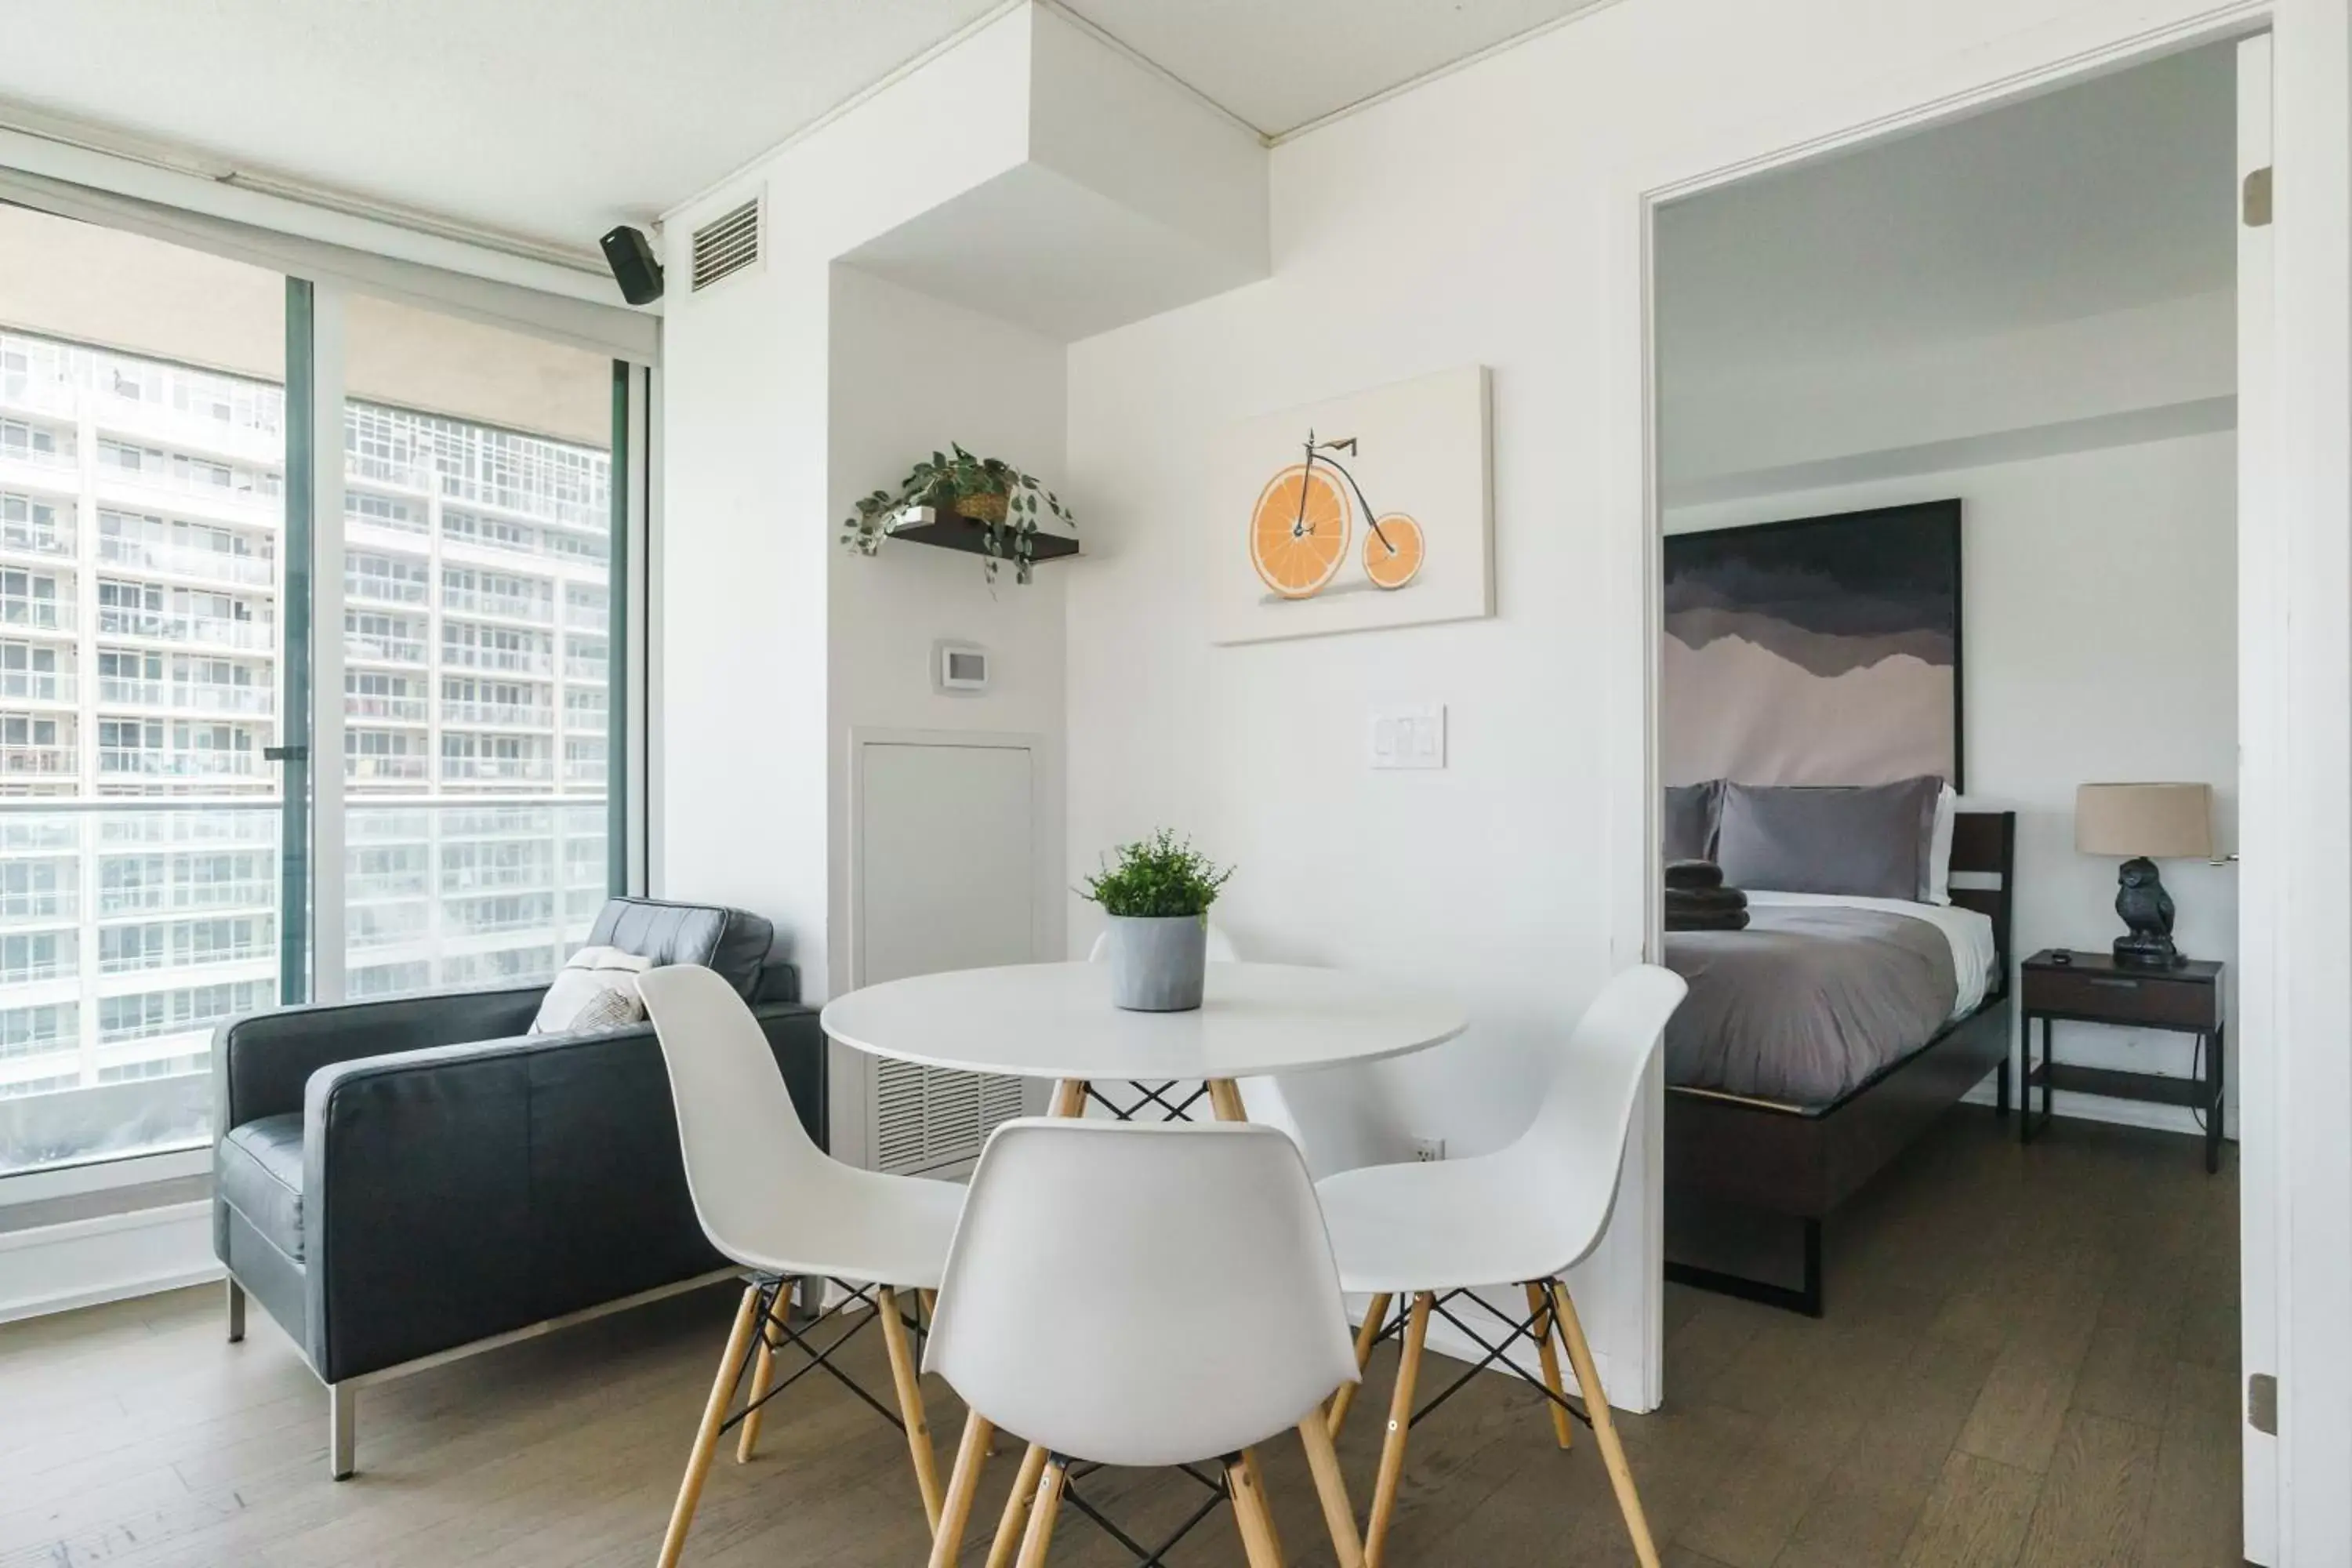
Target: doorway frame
2301 780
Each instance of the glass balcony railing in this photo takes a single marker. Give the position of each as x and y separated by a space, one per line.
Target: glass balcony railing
187 696
372 648
508 606
521 660
115 620
379 590
511 715
36 685
586 720
37 615
187 560
38 762
55 542
159 762
399 709
584 769
578 668
498 769
587 618
385 770
150 898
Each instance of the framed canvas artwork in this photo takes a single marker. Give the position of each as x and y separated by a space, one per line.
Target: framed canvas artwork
1824 650
1364 511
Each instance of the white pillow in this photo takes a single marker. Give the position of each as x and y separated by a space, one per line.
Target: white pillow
1939 889
597 989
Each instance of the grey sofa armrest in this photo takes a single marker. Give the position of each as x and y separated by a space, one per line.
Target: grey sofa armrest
456 1192
260 1063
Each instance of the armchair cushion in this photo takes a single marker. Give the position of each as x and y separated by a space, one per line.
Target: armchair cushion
728 940
258 1169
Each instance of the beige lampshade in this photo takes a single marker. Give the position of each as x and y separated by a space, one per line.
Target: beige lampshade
2161 821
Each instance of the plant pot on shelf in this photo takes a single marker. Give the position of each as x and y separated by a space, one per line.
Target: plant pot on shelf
1158 963
986 507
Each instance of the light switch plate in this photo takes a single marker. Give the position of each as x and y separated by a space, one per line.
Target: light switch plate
1409 737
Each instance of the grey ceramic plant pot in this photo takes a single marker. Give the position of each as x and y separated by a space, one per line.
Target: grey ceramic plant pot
1158 963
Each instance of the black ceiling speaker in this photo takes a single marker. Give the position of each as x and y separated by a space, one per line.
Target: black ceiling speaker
631 257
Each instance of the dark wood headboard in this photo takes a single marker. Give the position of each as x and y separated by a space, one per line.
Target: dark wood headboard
1984 851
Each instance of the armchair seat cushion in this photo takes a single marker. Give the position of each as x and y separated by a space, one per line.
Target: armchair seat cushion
259 1171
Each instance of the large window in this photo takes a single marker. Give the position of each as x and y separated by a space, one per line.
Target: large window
146 447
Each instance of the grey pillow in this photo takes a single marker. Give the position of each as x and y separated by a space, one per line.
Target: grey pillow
1865 841
1689 828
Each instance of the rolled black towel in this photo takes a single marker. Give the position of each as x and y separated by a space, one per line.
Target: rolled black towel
1705 901
1736 921
1694 874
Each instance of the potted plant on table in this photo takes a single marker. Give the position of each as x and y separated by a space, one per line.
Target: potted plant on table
1157 892
988 492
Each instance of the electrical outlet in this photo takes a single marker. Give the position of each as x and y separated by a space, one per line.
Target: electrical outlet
1426 1150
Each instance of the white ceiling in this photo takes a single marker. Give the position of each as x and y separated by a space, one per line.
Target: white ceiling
555 118
2113 192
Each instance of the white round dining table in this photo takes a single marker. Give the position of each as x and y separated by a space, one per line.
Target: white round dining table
1057 1021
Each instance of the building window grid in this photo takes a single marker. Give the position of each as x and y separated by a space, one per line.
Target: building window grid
506 919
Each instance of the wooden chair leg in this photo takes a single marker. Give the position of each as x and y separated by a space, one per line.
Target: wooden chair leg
1250 1515
1384 1493
963 1484
1017 1503
1604 1426
763 1377
1226 1096
1331 1490
705 1437
1069 1098
1257 1479
1539 1303
911 1403
1039 1534
1375 1315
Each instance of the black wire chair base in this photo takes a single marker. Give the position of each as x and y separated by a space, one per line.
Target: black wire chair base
1522 1329
776 1331
1170 1110
1145 1556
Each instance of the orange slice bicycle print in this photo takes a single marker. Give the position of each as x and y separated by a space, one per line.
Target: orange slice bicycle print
1300 527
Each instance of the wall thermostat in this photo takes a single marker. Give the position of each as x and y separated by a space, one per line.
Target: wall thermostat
958 666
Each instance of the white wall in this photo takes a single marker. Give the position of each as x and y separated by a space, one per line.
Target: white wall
2099 597
1462 222
909 376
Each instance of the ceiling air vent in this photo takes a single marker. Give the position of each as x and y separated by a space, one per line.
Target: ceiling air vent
727 243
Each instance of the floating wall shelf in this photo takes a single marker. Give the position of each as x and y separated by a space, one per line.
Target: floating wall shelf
924 525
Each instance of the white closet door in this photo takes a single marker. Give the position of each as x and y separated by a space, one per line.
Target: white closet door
946 878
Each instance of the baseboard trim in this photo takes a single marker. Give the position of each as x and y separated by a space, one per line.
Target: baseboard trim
106 1258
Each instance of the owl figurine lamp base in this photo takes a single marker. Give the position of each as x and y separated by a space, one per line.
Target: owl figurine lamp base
2147 908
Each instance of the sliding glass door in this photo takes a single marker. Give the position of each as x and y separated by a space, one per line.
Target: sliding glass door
142 438
303 696
476 655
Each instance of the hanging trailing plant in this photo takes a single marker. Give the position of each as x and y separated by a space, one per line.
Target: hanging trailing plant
990 491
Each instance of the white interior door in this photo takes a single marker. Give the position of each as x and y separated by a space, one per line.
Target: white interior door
945 877
2260 592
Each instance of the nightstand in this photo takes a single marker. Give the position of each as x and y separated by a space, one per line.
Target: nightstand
2092 988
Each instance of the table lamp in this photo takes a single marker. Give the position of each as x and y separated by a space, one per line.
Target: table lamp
2145 822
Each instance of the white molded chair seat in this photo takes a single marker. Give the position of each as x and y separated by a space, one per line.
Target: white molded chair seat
1522 1216
772 1201
1142 1294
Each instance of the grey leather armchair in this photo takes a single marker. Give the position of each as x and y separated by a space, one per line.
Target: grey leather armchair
399 1181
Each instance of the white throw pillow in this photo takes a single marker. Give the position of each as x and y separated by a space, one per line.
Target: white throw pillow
1939 849
597 989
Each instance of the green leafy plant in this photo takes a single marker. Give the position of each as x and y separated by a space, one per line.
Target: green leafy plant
1157 877
993 493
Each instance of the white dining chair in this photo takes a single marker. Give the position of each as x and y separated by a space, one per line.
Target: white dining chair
1145 1295
1262 1098
1430 1233
770 1200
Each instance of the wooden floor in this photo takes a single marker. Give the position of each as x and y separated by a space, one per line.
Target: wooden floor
2029 1359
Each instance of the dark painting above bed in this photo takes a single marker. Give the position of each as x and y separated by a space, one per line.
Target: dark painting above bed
1822 650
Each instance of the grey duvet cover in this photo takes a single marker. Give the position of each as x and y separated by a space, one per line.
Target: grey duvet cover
1807 1002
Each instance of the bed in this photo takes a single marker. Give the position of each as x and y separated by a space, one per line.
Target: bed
1815 1047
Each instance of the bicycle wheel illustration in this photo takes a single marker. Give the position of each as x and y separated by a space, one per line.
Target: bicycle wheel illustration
1393 550
1298 531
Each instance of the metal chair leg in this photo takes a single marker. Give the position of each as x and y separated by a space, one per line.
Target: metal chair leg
235 1312
342 1430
